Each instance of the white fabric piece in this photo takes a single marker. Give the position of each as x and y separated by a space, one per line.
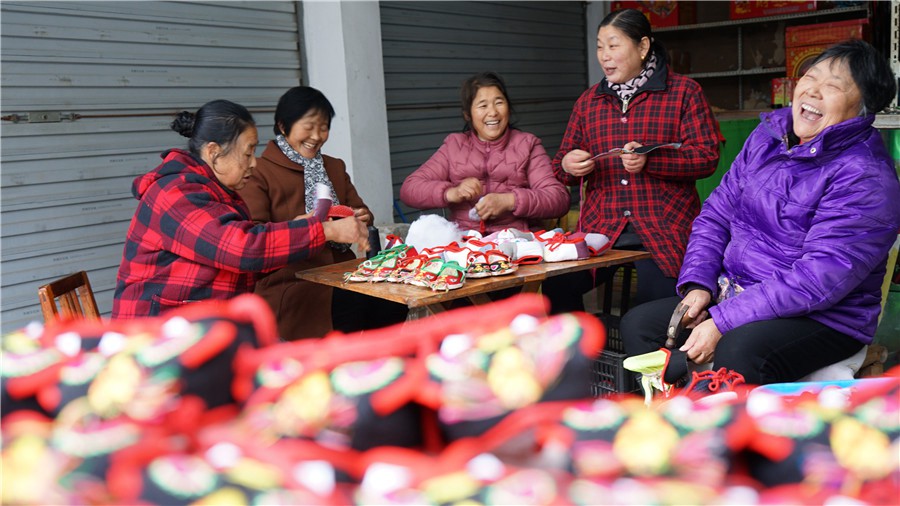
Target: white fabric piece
844 370
431 231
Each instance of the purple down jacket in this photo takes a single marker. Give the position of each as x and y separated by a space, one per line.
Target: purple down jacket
804 231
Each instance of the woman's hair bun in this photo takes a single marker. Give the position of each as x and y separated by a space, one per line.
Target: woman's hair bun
184 123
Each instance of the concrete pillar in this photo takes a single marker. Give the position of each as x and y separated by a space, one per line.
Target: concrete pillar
342 44
594 14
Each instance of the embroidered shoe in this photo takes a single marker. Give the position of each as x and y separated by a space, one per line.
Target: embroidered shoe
562 248
391 263
427 272
367 269
450 277
597 243
500 263
406 268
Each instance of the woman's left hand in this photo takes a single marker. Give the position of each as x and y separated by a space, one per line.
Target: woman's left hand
701 344
363 215
494 205
633 163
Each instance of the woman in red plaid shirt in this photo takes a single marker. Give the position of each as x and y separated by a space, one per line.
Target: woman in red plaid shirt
192 238
645 201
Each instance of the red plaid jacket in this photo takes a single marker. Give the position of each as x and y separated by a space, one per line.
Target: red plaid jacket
661 201
192 239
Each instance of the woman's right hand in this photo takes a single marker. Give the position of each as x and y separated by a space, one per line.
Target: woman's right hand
348 230
469 189
578 163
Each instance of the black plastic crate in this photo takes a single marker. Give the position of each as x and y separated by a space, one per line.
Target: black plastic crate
613 337
611 377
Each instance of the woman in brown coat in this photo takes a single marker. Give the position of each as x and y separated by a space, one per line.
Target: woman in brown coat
283 186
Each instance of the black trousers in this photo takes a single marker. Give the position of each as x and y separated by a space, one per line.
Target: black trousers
770 351
353 312
566 292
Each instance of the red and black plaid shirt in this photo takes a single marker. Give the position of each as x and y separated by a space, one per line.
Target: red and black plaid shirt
193 239
661 201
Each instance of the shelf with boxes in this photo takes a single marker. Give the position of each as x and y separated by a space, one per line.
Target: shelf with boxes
736 58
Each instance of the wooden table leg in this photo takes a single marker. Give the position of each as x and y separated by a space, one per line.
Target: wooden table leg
531 287
480 298
417 313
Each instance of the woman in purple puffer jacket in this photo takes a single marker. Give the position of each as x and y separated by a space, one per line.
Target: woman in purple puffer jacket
491 176
784 265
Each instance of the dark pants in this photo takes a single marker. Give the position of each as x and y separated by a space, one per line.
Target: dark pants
770 351
566 292
353 312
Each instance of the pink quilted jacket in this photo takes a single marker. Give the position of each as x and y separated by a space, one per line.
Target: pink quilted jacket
516 162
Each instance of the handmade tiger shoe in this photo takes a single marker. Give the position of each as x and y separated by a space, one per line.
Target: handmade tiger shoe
450 277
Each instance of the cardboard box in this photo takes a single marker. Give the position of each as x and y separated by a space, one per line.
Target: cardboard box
826 33
742 9
662 13
782 91
798 58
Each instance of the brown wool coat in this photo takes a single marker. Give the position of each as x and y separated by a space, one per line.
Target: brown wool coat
276 192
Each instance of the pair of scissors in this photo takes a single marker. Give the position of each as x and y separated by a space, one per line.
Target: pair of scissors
642 150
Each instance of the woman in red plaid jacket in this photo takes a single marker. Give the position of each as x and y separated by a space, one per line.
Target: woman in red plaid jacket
192 238
640 201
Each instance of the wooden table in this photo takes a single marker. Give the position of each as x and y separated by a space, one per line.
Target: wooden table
423 301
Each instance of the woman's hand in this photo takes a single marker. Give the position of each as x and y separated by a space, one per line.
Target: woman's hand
347 231
633 163
701 344
697 301
469 189
578 163
494 205
363 215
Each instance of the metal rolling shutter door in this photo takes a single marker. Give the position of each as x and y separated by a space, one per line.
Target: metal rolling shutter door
431 47
124 68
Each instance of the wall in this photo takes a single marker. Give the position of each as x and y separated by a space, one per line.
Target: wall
343 60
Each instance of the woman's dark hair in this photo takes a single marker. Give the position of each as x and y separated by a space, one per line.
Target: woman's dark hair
218 121
635 25
295 103
870 71
470 88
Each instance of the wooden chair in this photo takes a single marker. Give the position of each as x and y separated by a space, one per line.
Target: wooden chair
76 299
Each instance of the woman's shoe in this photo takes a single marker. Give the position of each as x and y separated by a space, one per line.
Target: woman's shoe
427 272
367 268
406 268
500 263
451 276
478 265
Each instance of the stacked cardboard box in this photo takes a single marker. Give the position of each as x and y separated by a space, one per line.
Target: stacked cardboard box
743 9
803 43
663 13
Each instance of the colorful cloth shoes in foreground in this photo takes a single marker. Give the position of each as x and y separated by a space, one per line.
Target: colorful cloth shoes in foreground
136 368
303 403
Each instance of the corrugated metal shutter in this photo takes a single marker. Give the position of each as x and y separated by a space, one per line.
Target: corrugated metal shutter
431 47
124 68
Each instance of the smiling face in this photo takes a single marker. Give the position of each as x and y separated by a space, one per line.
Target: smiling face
826 95
309 133
620 57
233 168
489 114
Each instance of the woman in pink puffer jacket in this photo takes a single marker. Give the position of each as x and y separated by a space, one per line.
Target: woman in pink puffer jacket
490 176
